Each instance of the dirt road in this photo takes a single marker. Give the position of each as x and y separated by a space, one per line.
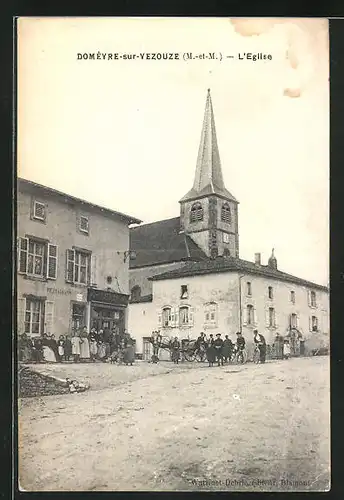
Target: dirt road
253 427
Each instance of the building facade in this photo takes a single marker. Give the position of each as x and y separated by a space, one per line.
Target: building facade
72 266
187 275
230 297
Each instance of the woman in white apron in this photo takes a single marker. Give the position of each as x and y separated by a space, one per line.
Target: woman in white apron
85 345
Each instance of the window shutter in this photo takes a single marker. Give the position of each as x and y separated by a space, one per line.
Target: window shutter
49 317
94 270
173 318
23 247
52 262
191 316
309 298
70 260
159 318
310 323
255 322
275 319
21 305
267 317
176 317
297 321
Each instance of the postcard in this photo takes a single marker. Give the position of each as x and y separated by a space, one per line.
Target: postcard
173 258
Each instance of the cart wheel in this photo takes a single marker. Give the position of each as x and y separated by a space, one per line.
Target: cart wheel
189 356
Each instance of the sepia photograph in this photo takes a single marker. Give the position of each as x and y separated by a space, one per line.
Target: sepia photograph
172 271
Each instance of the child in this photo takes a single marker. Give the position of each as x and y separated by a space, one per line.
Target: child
93 348
286 349
60 347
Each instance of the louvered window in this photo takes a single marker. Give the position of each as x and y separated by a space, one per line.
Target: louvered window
226 213
196 212
84 224
39 210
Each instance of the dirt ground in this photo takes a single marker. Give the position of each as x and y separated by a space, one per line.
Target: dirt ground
181 428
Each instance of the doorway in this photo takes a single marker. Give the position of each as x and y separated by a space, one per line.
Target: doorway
107 319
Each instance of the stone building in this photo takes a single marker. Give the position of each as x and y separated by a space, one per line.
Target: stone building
73 260
187 275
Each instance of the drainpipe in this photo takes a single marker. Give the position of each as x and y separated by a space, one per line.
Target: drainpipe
240 303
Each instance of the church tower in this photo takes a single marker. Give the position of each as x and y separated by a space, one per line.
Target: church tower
208 212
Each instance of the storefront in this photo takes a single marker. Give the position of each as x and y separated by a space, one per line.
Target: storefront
107 309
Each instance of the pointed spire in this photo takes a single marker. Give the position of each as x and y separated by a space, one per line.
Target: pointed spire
208 176
272 262
208 169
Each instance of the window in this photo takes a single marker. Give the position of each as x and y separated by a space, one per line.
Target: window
33 316
39 211
196 212
293 320
78 316
225 237
184 292
37 259
226 213
185 316
166 317
313 299
272 317
84 224
210 314
78 267
270 292
249 314
314 324
136 292
292 297
249 288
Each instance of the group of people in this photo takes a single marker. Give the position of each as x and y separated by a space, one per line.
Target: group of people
102 345
219 350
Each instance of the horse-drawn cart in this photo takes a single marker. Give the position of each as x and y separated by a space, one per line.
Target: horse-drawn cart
189 350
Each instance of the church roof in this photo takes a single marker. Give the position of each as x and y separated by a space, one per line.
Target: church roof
208 177
221 265
162 242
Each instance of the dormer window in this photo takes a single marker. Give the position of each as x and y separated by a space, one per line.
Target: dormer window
196 212
84 224
226 213
39 212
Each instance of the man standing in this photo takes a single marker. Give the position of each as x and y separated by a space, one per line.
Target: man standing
227 349
259 340
218 344
156 339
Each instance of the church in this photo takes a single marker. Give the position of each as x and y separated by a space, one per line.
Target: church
186 275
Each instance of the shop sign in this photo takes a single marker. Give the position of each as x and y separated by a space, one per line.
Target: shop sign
59 291
107 297
79 297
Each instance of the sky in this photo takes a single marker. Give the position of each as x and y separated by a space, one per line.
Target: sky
125 133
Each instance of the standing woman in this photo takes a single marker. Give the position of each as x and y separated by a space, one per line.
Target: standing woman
76 342
67 348
48 352
93 347
85 345
259 340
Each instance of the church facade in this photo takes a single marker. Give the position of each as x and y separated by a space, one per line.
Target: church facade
187 275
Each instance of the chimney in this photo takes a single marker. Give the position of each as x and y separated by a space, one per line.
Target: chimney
257 258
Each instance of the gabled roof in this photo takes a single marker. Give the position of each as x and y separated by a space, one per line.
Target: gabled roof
221 265
162 242
208 176
25 185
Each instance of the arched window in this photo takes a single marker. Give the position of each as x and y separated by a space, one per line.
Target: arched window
210 314
226 213
166 317
186 314
135 292
249 314
196 212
